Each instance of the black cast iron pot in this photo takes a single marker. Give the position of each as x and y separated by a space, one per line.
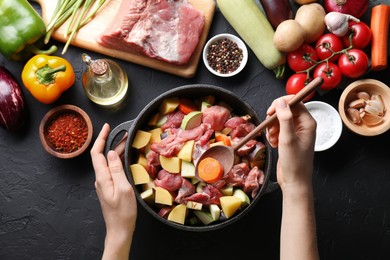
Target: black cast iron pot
190 91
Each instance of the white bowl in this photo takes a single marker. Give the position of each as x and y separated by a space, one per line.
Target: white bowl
240 45
329 124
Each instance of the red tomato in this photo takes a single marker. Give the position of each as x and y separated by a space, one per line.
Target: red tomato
297 82
331 74
302 58
361 35
353 65
326 45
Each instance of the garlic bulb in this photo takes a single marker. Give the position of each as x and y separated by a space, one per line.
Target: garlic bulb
337 23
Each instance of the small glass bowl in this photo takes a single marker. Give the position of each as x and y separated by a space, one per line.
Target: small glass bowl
240 45
53 114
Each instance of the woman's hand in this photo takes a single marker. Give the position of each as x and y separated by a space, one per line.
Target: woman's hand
116 197
294 134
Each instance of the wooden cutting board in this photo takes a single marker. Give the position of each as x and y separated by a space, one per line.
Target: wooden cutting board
86 36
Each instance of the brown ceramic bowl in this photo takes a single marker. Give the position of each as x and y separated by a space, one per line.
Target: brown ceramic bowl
371 86
66 131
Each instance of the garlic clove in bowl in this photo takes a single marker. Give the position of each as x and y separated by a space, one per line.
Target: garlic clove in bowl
371 120
377 95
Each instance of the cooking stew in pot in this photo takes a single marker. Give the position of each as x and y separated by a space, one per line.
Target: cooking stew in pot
169 147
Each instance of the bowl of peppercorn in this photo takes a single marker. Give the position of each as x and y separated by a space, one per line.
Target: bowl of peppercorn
225 55
66 131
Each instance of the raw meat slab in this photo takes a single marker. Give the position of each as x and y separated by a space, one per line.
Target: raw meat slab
86 36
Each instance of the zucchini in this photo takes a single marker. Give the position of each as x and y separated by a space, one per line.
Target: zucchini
253 27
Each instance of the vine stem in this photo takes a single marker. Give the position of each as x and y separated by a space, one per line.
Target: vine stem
316 63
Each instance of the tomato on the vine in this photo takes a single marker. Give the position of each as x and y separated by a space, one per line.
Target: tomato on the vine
326 45
296 82
302 58
361 35
331 74
353 64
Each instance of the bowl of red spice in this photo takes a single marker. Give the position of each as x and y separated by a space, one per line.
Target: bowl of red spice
225 55
66 131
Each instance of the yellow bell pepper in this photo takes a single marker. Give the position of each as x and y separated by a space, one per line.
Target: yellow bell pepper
47 77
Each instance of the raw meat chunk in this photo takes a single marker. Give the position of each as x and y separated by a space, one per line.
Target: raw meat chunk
167 30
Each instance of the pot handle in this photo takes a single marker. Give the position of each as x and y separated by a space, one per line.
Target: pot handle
123 127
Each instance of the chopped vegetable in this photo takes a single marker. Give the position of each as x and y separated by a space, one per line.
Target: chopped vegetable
47 77
21 28
210 170
380 17
224 138
186 105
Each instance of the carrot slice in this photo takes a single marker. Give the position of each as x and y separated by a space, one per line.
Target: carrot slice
186 105
224 138
210 170
379 24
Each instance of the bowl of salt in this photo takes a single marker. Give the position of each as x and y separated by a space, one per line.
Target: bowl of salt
329 124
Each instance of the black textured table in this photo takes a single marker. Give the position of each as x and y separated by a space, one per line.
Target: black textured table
49 208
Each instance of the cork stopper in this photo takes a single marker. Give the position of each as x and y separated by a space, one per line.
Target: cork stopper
99 67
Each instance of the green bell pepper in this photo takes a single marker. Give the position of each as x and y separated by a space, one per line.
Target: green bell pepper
21 29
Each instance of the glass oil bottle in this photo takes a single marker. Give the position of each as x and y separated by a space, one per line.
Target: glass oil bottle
104 81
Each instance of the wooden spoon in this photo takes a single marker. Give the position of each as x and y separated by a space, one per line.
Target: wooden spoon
225 154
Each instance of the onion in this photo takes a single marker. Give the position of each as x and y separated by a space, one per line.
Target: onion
11 101
355 8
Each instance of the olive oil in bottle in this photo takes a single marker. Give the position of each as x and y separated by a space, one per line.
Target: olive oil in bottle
104 81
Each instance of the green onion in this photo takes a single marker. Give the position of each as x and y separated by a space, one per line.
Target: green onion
68 10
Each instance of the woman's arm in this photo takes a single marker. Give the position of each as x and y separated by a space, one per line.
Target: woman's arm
116 197
294 136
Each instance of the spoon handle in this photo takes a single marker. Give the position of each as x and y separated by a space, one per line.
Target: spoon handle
304 92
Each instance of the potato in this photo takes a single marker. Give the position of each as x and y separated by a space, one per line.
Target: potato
311 18
185 152
142 160
170 164
230 204
156 135
289 36
178 214
148 196
140 175
162 196
168 105
141 139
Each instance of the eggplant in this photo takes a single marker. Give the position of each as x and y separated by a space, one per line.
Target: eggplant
12 108
277 11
